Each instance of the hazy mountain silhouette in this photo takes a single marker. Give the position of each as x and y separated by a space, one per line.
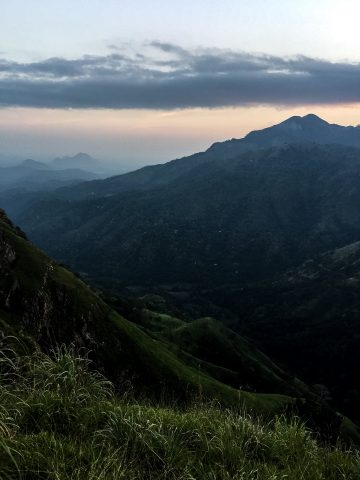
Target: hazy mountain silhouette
307 129
227 220
81 161
34 164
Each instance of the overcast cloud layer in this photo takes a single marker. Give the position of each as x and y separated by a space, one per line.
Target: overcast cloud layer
165 76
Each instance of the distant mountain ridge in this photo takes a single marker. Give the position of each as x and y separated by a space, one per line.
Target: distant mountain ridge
81 161
296 129
31 175
226 220
30 163
214 216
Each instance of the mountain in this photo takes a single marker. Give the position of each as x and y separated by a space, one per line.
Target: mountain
23 183
227 220
266 241
146 178
296 129
43 305
31 175
81 161
307 129
34 164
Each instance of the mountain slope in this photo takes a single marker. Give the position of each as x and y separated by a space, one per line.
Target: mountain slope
30 163
307 129
60 421
43 304
231 220
217 347
46 304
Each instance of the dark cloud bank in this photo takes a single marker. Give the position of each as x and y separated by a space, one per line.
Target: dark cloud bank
169 77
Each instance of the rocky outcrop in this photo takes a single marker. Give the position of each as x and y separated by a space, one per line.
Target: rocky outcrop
8 281
34 295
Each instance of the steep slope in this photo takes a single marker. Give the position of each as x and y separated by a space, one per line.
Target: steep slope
45 304
245 218
223 353
60 421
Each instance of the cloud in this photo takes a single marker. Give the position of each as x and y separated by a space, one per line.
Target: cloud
167 76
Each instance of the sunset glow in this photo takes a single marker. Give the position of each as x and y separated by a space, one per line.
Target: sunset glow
140 83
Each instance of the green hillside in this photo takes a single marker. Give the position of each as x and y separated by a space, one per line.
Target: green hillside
47 304
44 305
59 421
223 353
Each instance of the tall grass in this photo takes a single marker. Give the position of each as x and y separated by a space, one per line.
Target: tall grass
61 420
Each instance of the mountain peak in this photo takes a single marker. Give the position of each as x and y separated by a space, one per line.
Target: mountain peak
310 119
314 119
77 156
80 160
309 128
84 156
30 163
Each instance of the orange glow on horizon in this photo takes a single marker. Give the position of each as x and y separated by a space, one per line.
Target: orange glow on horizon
181 132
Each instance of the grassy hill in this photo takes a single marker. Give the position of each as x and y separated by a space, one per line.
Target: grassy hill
43 302
222 353
60 420
44 305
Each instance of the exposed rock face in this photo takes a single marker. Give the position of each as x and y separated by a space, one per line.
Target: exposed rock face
33 297
8 282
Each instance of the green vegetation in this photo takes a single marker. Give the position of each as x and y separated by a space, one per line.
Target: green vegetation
56 415
44 302
221 353
61 420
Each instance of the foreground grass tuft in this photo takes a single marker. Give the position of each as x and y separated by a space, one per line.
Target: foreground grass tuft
60 420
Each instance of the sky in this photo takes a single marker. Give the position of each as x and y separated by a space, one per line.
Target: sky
139 82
